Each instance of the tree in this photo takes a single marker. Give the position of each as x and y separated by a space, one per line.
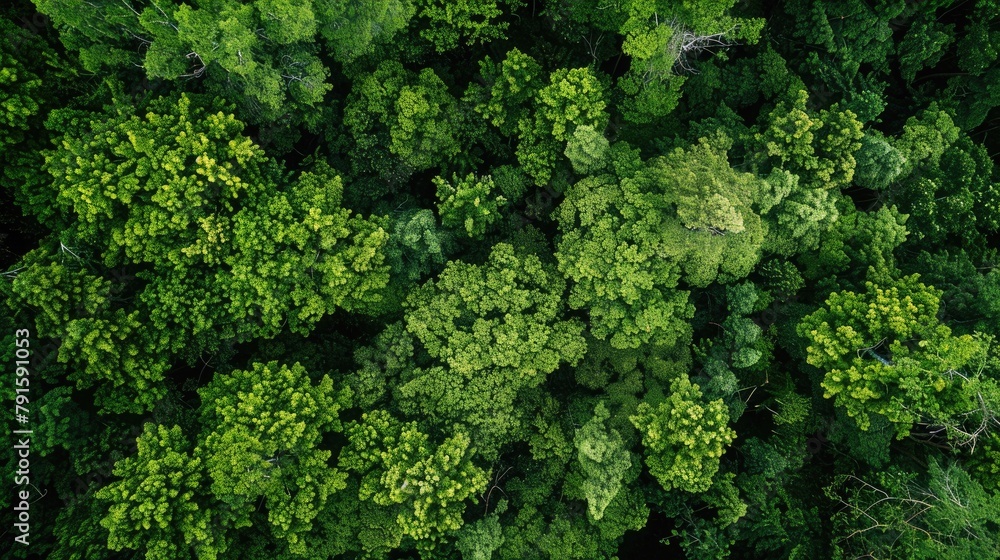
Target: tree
879 163
60 290
587 150
884 352
19 93
96 31
479 540
491 331
78 532
818 148
425 116
300 256
380 365
953 177
603 459
925 42
700 536
117 349
469 203
451 23
35 83
659 44
684 437
652 219
925 137
353 29
215 240
940 514
741 349
261 54
975 52
512 84
160 506
411 114
573 97
860 241
853 32
417 247
262 430
399 467
538 524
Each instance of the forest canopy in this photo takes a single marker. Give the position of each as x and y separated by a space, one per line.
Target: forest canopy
500 279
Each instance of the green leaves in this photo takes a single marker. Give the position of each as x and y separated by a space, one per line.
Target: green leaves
154 203
423 131
264 50
926 137
354 29
940 514
543 261
884 352
879 163
587 150
572 98
417 244
819 148
662 41
226 244
59 291
490 331
260 445
512 84
628 241
465 21
603 459
684 437
469 203
262 431
413 115
318 257
159 504
923 46
400 467
19 88
608 258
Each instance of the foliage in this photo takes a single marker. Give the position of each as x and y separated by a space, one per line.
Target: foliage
603 460
655 210
399 466
155 506
684 437
411 115
501 279
884 352
452 23
572 98
261 54
354 29
468 203
587 150
943 513
261 430
194 208
490 331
